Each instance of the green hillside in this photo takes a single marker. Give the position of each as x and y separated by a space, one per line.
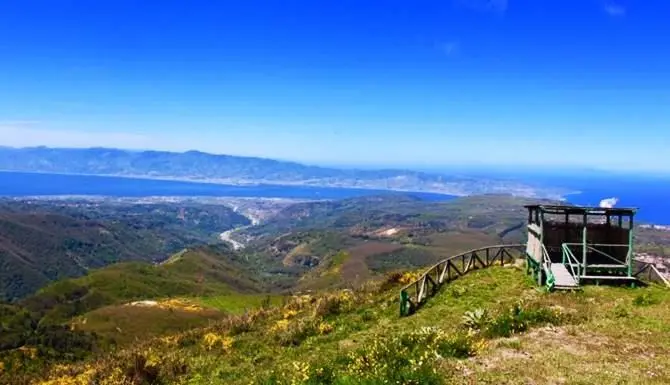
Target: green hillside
43 241
73 318
491 326
492 213
313 299
211 270
380 233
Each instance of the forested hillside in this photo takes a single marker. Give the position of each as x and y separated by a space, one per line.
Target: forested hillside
42 241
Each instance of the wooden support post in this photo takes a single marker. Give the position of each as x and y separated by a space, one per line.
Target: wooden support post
631 250
584 236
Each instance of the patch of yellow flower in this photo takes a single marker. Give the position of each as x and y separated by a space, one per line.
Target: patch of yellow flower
178 304
422 349
325 328
290 313
169 340
213 341
84 378
408 277
2 367
347 296
280 326
299 302
300 372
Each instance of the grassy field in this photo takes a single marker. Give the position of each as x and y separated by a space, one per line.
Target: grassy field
490 327
238 304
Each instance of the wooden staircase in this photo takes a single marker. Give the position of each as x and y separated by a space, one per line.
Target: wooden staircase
563 280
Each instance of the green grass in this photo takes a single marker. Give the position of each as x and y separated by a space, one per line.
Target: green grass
197 272
238 303
123 325
600 335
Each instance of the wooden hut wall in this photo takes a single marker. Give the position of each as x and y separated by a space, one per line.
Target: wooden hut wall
557 233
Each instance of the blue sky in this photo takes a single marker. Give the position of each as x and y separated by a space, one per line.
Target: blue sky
422 83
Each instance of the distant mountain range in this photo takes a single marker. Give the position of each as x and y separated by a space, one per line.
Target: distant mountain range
227 169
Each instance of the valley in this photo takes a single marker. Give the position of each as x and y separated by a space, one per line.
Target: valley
123 275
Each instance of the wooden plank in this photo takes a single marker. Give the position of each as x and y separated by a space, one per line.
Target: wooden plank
476 258
458 272
562 276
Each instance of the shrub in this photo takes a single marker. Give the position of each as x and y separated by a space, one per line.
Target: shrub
518 319
645 299
368 315
294 333
333 304
140 372
405 359
620 311
242 323
476 320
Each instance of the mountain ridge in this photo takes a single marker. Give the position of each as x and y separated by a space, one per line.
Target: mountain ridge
199 166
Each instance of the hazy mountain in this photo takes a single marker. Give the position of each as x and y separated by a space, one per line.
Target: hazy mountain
199 166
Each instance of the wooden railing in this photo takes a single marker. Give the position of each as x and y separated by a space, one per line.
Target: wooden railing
648 272
571 261
415 294
546 266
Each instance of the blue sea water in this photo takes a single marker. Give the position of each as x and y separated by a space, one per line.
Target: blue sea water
651 196
13 184
648 194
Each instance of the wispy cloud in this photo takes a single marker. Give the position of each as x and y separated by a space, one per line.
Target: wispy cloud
614 10
496 6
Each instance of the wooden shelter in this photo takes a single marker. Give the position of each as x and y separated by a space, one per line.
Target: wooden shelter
571 245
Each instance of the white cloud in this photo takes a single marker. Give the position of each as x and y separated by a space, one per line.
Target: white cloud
614 10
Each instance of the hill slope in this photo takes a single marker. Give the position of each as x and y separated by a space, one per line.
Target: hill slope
211 270
491 326
374 235
194 165
43 241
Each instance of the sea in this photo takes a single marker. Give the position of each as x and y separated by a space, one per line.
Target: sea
650 195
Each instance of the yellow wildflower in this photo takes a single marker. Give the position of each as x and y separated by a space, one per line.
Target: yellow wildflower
290 314
325 328
211 340
408 278
301 372
280 325
227 343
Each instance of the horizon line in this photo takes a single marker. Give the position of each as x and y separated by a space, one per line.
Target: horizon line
435 168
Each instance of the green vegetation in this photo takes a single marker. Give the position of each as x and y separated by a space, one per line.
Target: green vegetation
44 241
74 318
210 314
203 271
491 326
239 303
